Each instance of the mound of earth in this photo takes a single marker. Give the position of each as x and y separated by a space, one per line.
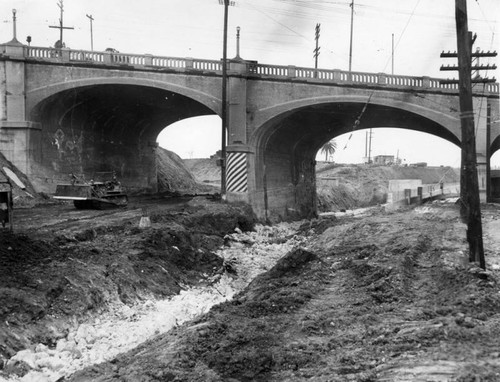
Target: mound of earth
175 177
205 170
362 185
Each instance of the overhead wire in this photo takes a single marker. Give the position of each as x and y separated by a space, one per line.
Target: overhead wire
358 119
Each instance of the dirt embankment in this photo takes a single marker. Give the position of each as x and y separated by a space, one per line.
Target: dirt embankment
362 185
403 306
61 266
175 176
204 170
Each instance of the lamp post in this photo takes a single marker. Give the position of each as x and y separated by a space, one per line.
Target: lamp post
14 24
238 42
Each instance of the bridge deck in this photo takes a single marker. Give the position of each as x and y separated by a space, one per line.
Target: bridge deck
254 69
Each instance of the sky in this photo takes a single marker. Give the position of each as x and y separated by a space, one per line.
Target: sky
279 32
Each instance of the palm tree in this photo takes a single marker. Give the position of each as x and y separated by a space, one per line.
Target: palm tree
329 148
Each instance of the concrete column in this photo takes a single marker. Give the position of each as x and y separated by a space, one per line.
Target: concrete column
65 55
107 58
337 75
382 79
237 150
237 100
189 63
480 105
292 71
426 82
420 195
408 196
237 173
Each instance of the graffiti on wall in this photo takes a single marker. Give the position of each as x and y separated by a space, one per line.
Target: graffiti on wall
69 151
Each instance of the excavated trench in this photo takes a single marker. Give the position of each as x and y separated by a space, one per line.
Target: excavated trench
123 326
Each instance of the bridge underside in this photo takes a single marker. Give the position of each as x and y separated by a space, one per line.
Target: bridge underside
286 152
108 128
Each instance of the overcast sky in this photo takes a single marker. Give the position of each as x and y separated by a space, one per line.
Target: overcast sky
273 32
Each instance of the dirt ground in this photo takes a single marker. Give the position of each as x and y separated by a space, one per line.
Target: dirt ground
61 266
379 296
388 296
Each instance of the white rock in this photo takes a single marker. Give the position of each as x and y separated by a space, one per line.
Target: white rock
40 348
27 356
61 345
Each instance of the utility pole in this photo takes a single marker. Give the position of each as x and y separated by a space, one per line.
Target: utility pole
224 118
370 146
470 188
350 44
366 144
392 55
91 33
61 26
316 51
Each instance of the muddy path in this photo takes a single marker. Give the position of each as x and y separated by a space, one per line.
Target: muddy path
380 297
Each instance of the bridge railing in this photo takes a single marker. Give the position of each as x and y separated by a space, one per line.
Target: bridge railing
253 69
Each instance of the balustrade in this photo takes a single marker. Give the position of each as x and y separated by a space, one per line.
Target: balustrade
254 68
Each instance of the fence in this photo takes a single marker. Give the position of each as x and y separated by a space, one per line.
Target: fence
410 191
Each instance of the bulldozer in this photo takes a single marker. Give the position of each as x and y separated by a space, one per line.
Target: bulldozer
101 192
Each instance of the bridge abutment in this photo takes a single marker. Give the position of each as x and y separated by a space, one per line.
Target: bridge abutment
19 138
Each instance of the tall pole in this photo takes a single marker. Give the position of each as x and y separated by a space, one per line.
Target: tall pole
392 55
224 105
316 50
370 147
470 189
60 5
350 44
366 144
14 25
61 26
238 42
91 33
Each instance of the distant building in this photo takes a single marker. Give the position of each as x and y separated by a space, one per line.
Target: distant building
384 160
419 164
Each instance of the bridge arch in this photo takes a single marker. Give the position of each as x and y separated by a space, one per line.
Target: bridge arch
287 141
35 96
110 124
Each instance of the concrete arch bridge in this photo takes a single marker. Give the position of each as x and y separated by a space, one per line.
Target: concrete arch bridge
65 111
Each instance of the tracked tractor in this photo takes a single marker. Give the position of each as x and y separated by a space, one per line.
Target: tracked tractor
93 194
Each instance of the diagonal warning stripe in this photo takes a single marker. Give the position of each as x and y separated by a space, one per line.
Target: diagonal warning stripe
237 172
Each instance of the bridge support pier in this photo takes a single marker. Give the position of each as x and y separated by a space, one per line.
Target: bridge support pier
237 170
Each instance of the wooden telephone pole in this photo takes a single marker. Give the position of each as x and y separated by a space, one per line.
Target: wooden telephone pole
470 209
470 189
61 26
316 50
